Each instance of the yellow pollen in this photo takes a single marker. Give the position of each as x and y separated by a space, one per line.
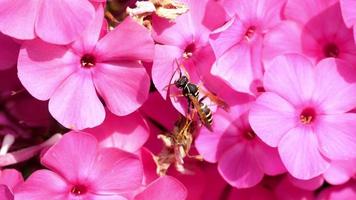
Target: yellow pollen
306 119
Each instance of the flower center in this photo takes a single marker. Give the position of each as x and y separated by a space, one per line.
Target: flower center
307 116
331 50
189 50
249 134
88 61
250 32
78 190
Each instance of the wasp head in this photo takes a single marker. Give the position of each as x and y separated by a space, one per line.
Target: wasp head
181 82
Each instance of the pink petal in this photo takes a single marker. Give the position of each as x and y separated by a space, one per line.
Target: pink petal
75 103
239 167
348 12
164 66
271 117
268 158
342 192
283 38
290 76
43 184
311 184
236 67
11 178
128 133
18 18
335 80
123 85
43 67
5 193
300 154
162 188
340 172
9 52
337 137
86 43
72 156
178 33
115 171
267 11
135 43
213 146
225 37
62 21
309 8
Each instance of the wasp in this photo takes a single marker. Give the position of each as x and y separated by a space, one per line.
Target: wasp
191 92
177 145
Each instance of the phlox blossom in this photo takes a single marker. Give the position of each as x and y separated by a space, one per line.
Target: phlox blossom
79 169
73 76
242 157
238 43
305 113
9 179
318 33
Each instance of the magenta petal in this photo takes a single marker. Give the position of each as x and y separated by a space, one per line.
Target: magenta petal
271 117
162 188
43 184
11 178
238 166
43 67
5 193
90 36
9 52
348 12
335 80
236 67
300 154
164 66
18 18
212 146
340 172
128 41
310 184
75 103
337 137
227 36
115 171
268 158
123 85
128 133
72 156
62 21
281 39
292 77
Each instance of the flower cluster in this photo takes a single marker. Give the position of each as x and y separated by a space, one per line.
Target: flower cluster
177 99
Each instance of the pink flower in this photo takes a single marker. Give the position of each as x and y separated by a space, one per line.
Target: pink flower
58 22
72 76
163 188
128 133
349 14
185 40
311 34
242 157
305 113
8 52
82 170
340 171
238 44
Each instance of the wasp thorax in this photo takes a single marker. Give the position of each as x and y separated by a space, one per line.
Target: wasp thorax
307 116
181 82
88 61
189 50
331 50
78 190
